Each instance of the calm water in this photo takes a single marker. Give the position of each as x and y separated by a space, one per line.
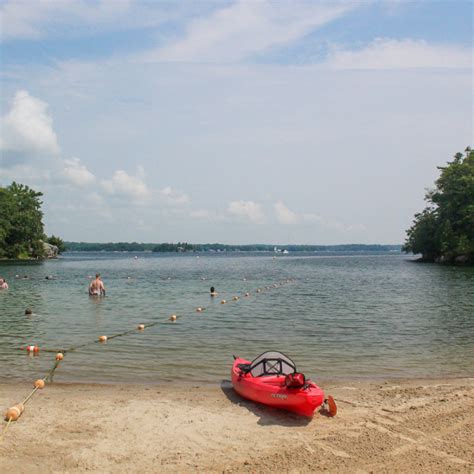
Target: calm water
344 316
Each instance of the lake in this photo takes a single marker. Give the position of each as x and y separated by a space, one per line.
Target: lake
340 316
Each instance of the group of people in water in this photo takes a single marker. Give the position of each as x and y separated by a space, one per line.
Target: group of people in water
96 287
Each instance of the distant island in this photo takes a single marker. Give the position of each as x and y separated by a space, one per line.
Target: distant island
444 231
187 247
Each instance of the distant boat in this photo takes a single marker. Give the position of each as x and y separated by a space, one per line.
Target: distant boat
285 251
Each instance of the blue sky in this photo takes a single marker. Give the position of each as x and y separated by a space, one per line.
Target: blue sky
239 122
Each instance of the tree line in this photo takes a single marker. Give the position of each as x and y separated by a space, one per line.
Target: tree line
21 224
216 247
444 230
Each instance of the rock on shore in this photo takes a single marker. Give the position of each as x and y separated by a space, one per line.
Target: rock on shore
50 251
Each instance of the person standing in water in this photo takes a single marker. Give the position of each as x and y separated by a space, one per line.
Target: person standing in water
213 291
3 284
97 288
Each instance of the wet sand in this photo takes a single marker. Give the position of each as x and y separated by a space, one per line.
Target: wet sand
381 426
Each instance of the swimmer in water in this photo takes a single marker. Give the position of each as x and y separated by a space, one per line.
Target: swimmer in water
213 291
3 284
97 288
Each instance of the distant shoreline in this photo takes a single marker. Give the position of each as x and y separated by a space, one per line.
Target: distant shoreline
217 247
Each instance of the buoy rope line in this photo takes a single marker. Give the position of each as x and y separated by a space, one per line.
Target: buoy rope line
4 431
14 412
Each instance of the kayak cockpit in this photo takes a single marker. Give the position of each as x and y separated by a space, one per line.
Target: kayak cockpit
269 363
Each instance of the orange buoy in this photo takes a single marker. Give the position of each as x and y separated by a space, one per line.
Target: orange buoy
141 327
332 407
247 294
173 317
223 302
39 384
33 349
235 298
102 338
14 412
59 356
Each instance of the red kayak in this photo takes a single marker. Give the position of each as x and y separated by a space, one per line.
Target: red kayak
272 379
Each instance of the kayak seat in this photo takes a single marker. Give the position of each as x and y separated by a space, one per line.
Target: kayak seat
272 363
244 367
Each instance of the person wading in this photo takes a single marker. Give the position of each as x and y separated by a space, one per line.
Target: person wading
97 288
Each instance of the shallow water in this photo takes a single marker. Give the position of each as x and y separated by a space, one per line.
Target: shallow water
344 316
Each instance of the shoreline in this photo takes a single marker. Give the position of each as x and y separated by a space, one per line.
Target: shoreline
180 383
382 425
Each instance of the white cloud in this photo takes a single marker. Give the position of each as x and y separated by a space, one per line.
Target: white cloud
401 54
123 184
77 173
29 19
247 27
285 215
18 19
28 127
173 197
247 209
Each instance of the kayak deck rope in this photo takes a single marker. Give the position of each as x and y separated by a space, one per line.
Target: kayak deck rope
49 375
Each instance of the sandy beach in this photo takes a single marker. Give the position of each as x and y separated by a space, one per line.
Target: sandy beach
381 426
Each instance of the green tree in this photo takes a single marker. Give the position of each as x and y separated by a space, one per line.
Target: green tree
21 226
445 229
53 240
421 237
6 211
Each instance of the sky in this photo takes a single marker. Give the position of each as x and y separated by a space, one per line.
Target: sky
248 121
